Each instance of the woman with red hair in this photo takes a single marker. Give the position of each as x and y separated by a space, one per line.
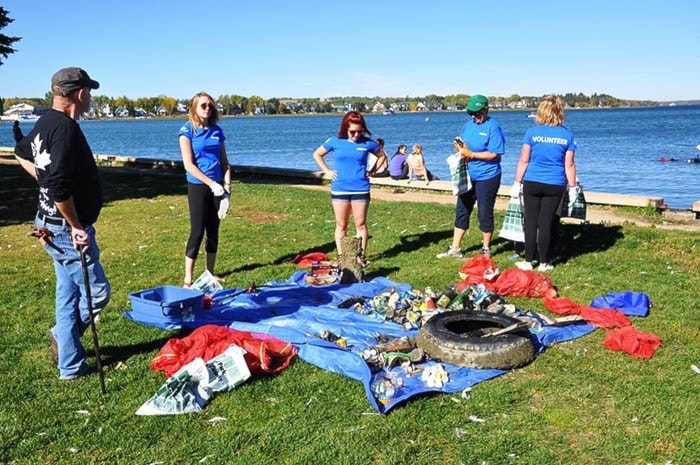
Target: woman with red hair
350 182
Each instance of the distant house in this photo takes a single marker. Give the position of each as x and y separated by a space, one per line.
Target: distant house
122 112
181 108
378 108
106 111
140 112
19 111
160 110
341 108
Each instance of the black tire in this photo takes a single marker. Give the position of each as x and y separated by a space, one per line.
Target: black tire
456 337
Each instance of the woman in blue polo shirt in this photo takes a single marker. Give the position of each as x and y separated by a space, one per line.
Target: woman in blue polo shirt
208 179
545 168
482 144
350 182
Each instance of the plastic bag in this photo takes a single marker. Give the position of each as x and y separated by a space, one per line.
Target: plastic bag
207 283
577 208
513 222
461 182
194 385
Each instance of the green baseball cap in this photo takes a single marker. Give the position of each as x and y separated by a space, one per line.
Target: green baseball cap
477 102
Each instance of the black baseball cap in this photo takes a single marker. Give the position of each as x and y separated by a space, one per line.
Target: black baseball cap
66 80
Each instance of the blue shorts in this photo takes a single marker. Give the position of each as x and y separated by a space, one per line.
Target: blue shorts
350 197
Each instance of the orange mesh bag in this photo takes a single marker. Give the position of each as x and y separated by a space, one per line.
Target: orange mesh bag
264 353
632 341
561 306
605 317
479 270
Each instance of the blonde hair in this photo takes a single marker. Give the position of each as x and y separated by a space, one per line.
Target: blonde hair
194 118
550 111
417 148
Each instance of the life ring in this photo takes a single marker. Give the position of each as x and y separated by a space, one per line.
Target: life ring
461 338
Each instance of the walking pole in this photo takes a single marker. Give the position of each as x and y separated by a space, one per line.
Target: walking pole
88 295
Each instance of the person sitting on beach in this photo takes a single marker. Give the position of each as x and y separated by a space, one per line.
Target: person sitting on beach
381 166
398 169
416 165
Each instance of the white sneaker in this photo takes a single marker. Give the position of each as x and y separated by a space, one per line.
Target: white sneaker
523 265
544 267
450 253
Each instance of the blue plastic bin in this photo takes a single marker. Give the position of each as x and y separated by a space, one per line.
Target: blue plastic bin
167 304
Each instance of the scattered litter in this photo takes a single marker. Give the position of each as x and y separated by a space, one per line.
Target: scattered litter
435 376
73 450
476 419
203 459
83 412
459 432
216 420
309 402
695 369
121 366
355 428
465 393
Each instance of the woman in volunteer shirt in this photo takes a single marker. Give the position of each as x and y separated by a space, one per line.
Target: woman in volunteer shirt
350 183
545 168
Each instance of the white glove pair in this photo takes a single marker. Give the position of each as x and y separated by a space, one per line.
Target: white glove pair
223 206
515 190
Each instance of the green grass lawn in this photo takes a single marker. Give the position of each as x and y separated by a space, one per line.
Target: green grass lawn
577 403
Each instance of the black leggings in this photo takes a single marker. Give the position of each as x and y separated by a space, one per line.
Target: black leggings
540 202
203 217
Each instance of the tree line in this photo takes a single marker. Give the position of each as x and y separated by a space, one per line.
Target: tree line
255 105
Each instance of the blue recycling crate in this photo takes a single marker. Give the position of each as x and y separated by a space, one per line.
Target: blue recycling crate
166 304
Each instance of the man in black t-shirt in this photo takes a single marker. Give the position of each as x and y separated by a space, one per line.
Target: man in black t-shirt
57 155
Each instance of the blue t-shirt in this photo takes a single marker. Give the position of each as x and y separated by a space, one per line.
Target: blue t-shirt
350 164
484 137
206 147
396 164
548 147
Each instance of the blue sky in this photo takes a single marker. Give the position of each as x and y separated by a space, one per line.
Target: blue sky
322 48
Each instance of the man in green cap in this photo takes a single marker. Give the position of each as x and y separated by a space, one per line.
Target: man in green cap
482 144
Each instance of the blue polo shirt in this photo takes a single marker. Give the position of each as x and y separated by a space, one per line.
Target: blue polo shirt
350 159
484 137
548 147
206 147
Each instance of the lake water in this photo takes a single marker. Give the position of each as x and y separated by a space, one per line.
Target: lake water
618 149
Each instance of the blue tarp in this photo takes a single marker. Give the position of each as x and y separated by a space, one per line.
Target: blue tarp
297 312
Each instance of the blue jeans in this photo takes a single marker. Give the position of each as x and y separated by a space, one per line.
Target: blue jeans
72 315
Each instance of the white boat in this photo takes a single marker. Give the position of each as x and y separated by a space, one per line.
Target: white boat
531 115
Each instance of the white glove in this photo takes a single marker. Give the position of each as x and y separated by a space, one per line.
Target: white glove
515 190
217 189
223 207
573 194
